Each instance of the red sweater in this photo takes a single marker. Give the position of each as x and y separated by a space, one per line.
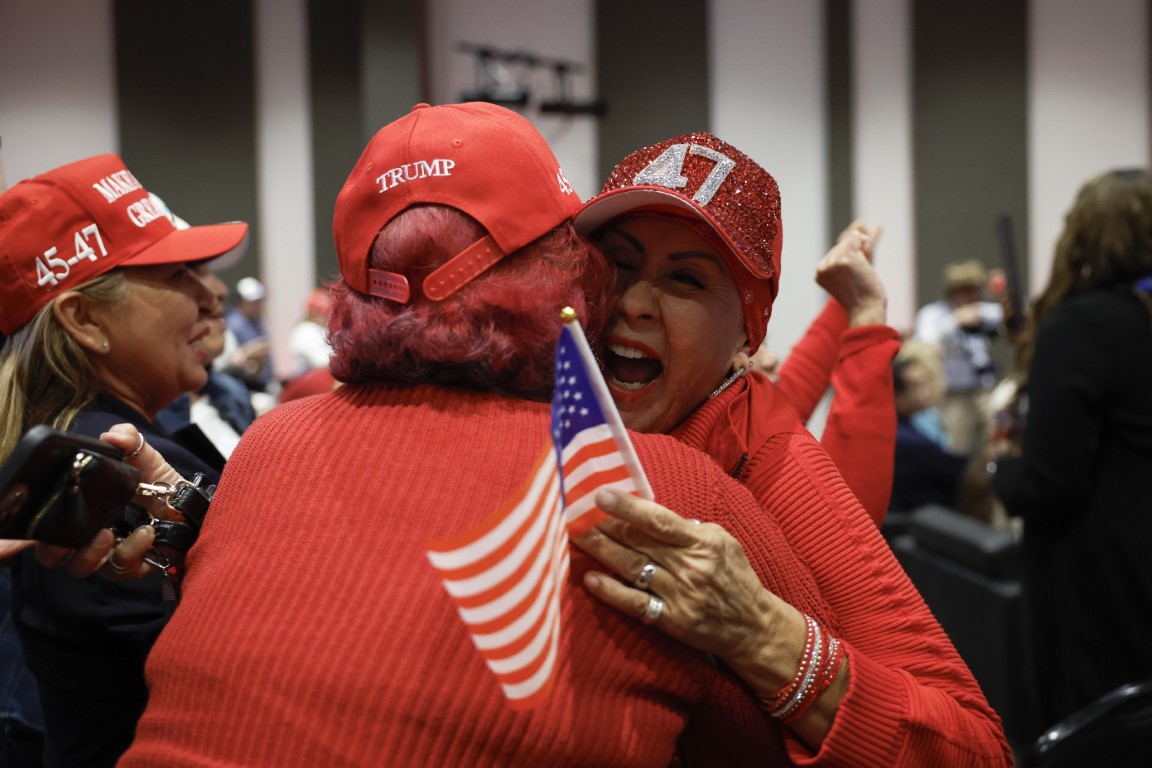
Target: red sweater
313 630
911 699
860 432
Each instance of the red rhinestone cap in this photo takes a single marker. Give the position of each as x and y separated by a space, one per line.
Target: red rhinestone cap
707 179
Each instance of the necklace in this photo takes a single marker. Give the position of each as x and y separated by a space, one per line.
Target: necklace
727 382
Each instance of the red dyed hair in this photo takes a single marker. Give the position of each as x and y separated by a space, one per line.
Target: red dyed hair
497 333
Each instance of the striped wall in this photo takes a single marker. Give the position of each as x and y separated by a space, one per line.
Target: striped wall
928 116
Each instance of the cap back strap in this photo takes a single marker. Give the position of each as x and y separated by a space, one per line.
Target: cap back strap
461 268
446 280
388 285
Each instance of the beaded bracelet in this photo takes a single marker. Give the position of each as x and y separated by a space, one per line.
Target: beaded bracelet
819 663
829 667
777 699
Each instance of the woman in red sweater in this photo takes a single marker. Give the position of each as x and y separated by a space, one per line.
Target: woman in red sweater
313 631
693 227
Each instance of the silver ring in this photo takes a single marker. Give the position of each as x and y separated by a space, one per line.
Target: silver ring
139 448
653 611
646 574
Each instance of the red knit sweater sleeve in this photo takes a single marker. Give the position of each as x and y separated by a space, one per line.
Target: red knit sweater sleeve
860 432
911 699
806 372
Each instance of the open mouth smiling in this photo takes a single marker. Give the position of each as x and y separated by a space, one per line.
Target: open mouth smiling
631 368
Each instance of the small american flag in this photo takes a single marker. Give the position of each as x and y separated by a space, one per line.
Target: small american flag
506 574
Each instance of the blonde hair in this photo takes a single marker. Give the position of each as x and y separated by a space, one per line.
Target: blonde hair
928 354
45 376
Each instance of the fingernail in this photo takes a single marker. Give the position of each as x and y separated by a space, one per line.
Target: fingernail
143 532
606 499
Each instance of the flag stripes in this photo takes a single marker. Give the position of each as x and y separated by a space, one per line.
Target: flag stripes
505 578
505 575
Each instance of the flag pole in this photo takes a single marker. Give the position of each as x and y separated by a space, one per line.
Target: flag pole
3 183
607 404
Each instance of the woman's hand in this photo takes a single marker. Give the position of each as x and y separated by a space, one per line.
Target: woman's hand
10 547
115 559
846 272
712 599
869 232
152 466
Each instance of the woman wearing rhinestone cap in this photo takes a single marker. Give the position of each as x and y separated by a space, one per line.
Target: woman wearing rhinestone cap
341 646
693 227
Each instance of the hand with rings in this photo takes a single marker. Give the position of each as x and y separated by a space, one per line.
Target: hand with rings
126 559
141 455
113 558
655 604
690 580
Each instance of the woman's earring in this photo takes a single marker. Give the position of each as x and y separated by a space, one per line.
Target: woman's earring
728 382
104 345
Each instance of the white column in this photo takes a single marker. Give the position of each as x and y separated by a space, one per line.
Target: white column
767 100
882 144
284 170
58 88
1088 108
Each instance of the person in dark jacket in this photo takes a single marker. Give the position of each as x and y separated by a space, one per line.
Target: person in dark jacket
1079 478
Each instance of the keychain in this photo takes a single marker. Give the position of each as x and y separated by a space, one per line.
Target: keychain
187 503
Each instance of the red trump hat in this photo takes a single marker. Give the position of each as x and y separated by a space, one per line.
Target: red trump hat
66 227
479 158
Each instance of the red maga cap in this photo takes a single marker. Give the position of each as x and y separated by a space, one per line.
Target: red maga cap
484 160
701 177
66 227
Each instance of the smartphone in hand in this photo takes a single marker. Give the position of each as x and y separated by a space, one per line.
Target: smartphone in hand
61 488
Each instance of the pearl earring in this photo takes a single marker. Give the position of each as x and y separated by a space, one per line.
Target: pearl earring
104 345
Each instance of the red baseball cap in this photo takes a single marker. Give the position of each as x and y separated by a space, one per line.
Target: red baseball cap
700 177
484 160
66 227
